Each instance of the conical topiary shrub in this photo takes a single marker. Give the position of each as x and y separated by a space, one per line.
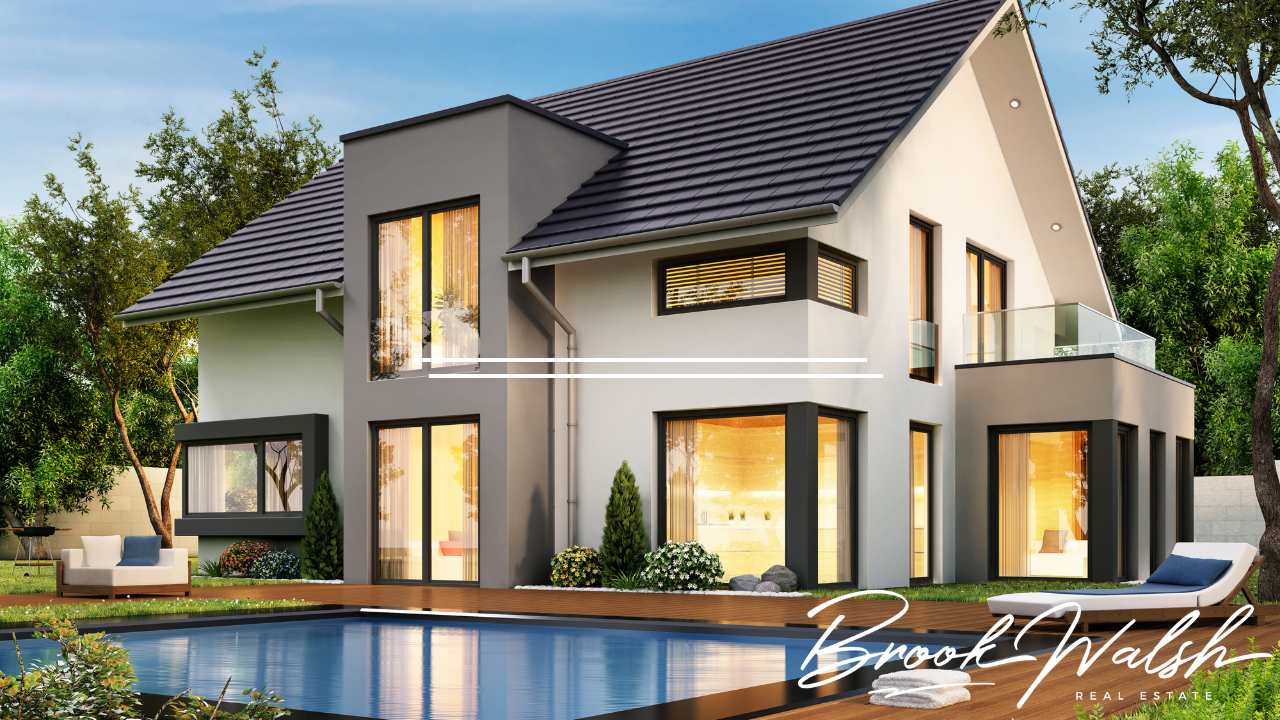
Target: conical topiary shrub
625 542
322 543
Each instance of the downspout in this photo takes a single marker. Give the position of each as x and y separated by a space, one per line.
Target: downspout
526 279
325 313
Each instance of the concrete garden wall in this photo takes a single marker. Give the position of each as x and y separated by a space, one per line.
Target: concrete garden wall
126 516
1227 510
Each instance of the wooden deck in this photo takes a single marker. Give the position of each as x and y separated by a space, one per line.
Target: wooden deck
1056 696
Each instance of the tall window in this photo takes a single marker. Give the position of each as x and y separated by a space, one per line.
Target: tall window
835 500
256 476
1124 527
726 488
428 292
428 503
986 293
1183 504
1044 504
921 503
1157 495
923 333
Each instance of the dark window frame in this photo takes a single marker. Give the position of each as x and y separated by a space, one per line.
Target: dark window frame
425 212
931 376
312 430
852 418
426 424
1184 489
993 492
982 273
1156 477
928 430
735 254
844 260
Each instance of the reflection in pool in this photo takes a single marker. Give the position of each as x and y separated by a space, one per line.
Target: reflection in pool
428 668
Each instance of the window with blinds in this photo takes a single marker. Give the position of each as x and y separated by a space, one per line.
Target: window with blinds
835 282
728 280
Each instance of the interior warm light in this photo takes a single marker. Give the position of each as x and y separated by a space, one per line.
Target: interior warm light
1055 227
1015 103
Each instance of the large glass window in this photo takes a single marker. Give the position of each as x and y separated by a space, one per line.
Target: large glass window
923 333
726 488
985 283
245 477
428 293
921 499
835 500
432 535
1044 504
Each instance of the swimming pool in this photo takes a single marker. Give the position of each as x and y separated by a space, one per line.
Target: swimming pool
414 667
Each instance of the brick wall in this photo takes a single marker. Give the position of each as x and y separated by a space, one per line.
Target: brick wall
1227 510
126 516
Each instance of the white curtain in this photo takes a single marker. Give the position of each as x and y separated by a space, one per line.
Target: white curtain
206 478
844 488
455 286
398 328
400 503
283 466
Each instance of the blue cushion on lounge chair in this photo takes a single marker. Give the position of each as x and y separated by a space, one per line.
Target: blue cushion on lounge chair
1181 570
140 550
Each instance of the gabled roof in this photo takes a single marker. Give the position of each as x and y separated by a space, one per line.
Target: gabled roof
784 125
294 247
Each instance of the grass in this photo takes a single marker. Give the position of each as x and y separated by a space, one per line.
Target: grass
12 583
134 608
979 592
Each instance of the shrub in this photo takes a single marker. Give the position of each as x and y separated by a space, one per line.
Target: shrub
322 544
240 557
576 567
93 679
624 581
211 568
681 566
263 705
625 542
1240 691
277 565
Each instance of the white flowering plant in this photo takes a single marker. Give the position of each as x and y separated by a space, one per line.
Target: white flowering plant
681 566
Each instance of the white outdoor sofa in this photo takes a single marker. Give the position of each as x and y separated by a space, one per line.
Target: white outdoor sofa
1212 602
170 576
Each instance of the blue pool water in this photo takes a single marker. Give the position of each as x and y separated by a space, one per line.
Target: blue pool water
428 668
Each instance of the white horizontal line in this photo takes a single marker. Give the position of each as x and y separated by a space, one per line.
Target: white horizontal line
657 376
660 360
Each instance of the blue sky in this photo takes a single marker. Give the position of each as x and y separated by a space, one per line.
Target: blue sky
109 70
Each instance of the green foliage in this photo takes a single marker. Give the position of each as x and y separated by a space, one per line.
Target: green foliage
215 182
55 441
276 565
150 414
1232 366
263 704
681 566
240 557
576 567
211 568
625 541
92 680
1116 199
625 581
322 543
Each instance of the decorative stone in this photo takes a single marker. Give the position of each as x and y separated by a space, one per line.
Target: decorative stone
767 586
784 578
744 583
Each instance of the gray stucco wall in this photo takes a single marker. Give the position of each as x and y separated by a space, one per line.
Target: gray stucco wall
519 165
1073 390
1227 510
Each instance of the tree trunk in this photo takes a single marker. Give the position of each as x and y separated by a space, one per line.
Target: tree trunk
161 518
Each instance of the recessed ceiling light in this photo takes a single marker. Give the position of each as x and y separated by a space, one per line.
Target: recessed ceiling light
1055 227
1015 103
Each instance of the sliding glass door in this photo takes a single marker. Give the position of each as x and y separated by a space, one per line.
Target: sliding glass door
835 500
428 502
1044 504
921 503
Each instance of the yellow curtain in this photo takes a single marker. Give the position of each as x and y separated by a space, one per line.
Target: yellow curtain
400 503
455 285
682 480
1015 542
455 502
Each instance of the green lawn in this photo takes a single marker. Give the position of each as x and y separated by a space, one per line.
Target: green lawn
979 592
133 608
41 580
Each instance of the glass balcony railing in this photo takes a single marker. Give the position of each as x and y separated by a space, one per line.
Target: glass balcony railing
924 345
1049 332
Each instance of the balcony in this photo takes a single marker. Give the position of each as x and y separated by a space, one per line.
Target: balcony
1052 331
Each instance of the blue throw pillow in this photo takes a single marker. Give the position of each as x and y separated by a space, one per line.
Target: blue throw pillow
1195 572
140 550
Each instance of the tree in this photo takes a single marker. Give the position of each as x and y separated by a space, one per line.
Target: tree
54 439
91 263
322 543
1112 209
1233 45
625 541
212 186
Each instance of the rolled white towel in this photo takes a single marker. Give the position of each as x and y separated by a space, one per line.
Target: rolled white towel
920 678
924 700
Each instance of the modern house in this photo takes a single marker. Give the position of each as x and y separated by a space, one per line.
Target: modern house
894 189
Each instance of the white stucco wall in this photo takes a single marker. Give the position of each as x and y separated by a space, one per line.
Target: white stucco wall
949 171
279 360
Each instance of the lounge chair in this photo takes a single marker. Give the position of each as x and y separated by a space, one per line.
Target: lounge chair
1155 603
